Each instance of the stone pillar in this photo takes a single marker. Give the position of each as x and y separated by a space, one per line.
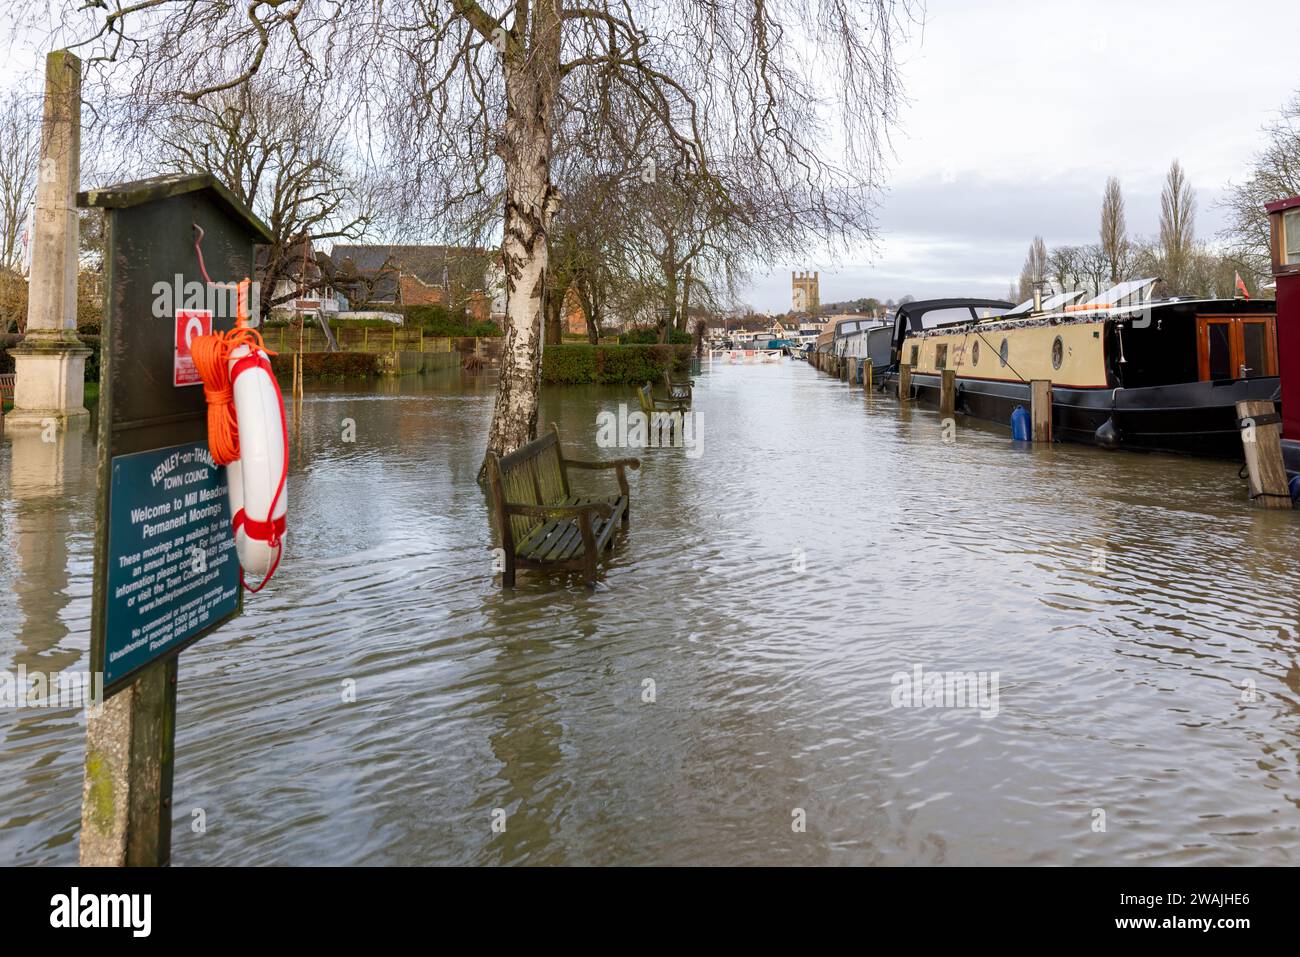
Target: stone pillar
50 362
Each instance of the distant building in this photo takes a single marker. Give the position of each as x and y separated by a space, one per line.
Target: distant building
301 288
457 277
805 296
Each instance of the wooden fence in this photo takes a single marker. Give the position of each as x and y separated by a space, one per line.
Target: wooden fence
285 339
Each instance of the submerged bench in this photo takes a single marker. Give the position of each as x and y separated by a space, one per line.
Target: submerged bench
543 524
650 404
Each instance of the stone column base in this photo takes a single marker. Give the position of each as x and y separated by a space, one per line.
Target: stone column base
49 383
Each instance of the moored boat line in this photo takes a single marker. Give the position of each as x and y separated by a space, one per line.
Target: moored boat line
1125 371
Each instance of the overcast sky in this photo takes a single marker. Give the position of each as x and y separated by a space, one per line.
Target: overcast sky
1020 110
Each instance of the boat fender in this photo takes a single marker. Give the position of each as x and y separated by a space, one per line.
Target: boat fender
1021 427
1107 435
1294 487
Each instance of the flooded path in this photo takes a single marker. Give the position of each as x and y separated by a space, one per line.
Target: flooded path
1139 620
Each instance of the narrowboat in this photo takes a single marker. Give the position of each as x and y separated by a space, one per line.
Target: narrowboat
864 339
1126 371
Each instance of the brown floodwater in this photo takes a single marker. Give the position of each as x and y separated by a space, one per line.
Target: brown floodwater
728 693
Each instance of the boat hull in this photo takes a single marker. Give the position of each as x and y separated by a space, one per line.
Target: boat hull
1190 418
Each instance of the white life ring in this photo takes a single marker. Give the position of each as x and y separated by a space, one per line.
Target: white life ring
258 479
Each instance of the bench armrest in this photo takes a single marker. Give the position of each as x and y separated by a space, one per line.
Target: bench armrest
611 464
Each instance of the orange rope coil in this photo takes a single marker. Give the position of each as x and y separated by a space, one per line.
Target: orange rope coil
212 360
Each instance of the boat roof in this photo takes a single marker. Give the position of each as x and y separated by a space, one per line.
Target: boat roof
1087 312
914 312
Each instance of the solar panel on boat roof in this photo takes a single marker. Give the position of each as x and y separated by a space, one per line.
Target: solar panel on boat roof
1050 304
1118 294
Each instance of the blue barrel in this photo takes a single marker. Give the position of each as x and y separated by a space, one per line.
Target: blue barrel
1022 429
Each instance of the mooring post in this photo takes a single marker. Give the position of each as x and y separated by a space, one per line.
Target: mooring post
904 382
126 794
868 375
948 393
1261 440
1040 416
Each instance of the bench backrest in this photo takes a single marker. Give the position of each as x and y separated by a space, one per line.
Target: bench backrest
533 474
644 397
7 380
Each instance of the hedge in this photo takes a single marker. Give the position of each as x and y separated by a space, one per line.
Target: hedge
317 365
437 321
650 336
612 365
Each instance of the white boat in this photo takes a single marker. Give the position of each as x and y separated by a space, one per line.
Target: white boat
753 356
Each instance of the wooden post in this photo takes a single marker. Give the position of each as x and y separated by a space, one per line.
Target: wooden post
126 794
904 382
365 339
394 338
853 370
1261 440
948 393
1041 409
868 375
422 338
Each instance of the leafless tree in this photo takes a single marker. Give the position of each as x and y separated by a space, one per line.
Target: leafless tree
1177 226
467 96
283 158
1114 231
19 156
1034 272
1274 175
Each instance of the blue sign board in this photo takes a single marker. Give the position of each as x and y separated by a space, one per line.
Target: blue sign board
173 574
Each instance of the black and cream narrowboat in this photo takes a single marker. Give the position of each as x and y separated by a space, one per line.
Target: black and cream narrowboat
1126 371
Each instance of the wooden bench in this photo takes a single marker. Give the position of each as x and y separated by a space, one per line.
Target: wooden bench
543 524
678 389
650 404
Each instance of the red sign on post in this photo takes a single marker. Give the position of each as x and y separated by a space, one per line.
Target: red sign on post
189 323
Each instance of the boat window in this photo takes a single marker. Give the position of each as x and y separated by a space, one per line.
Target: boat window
1058 352
916 353
975 354
1004 352
1291 234
943 317
1254 353
1219 350
941 356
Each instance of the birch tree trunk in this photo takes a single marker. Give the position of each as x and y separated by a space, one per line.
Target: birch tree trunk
532 74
